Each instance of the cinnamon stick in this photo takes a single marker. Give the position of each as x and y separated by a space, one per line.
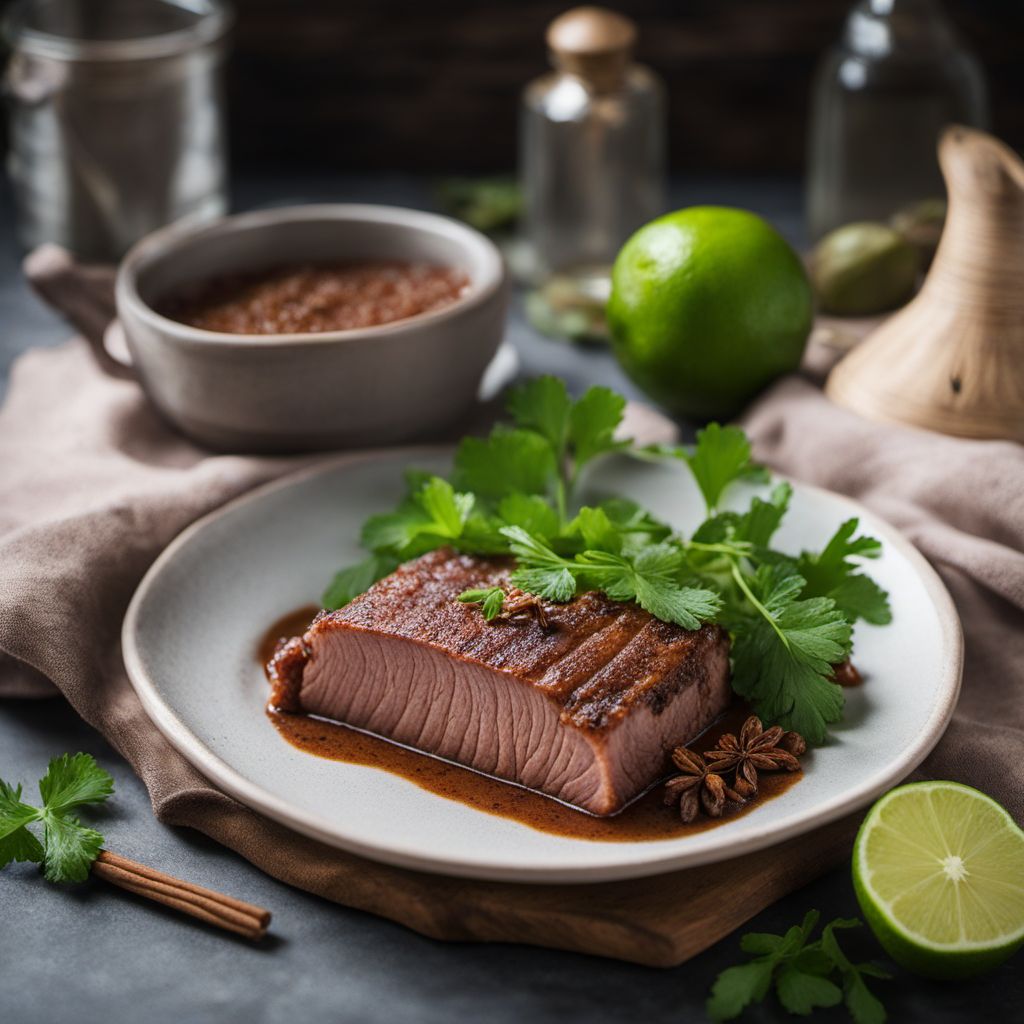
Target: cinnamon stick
204 904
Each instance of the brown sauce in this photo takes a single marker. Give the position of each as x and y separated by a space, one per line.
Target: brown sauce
293 624
645 819
315 298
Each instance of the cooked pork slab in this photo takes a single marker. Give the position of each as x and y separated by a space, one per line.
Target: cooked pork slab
582 702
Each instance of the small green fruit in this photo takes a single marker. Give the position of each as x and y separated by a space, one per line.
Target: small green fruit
709 305
864 268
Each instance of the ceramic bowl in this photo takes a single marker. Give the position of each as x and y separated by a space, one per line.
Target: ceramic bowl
291 392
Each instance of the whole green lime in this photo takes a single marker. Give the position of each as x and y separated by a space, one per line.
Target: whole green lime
708 306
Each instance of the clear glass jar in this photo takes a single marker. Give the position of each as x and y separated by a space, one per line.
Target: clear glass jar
592 146
116 118
882 95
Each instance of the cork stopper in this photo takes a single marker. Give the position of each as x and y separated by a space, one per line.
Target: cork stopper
594 43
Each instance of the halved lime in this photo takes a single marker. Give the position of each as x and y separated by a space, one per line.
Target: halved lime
939 873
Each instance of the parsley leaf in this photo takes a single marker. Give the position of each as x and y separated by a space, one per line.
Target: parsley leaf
447 510
720 457
349 583
800 992
631 520
782 661
71 781
832 574
540 571
864 1006
531 512
596 529
758 524
737 987
543 405
68 847
651 578
802 972
505 462
16 842
592 424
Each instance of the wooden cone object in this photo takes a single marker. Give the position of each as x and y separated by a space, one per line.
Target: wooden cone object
952 360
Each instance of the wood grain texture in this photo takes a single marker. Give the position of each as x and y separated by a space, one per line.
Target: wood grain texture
659 922
952 360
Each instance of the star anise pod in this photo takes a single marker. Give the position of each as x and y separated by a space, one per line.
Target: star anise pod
697 786
756 749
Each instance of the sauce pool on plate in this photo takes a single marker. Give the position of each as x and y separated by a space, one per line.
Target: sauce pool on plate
313 298
643 820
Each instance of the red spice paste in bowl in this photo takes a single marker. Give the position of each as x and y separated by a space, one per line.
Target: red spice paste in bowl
310 299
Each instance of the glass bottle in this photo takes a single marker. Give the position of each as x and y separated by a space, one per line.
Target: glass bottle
896 78
592 147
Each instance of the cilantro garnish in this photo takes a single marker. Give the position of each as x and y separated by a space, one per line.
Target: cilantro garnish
513 493
650 577
802 973
68 847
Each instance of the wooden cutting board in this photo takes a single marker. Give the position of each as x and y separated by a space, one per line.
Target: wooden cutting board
659 921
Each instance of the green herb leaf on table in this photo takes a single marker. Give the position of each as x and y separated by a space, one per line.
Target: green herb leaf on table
71 781
864 1006
738 987
68 847
802 973
16 842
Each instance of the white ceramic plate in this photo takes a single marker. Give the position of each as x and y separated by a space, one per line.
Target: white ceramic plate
192 628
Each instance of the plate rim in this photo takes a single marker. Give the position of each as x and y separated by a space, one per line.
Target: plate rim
315 826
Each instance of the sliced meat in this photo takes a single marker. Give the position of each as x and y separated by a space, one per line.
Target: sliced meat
583 702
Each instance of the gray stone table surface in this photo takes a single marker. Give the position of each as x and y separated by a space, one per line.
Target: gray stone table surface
92 953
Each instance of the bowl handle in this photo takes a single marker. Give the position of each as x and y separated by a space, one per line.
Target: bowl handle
83 295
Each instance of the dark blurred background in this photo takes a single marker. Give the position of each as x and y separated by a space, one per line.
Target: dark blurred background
410 85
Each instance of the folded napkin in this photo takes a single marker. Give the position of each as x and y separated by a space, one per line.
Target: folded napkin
961 502
93 485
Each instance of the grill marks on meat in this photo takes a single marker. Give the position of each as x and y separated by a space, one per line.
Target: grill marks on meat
584 710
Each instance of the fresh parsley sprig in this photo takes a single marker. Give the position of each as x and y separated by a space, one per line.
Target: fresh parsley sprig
650 577
791 617
802 973
513 493
68 847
